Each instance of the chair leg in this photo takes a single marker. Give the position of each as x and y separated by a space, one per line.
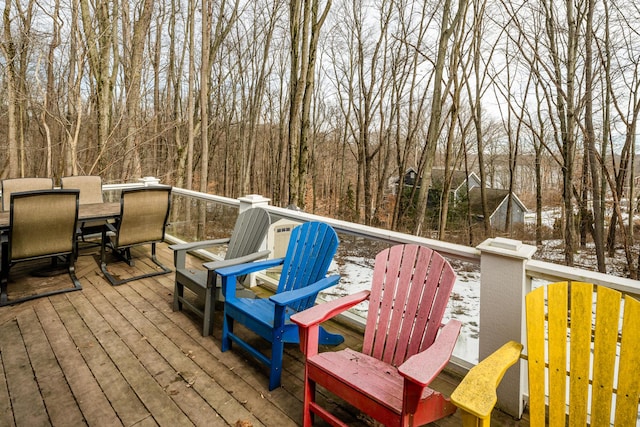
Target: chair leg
72 272
4 280
309 398
128 258
4 274
275 371
227 328
125 254
3 291
178 294
207 326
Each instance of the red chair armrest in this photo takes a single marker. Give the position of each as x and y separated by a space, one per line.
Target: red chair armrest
309 320
325 311
423 367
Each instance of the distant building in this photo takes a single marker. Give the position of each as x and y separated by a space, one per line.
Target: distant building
460 182
410 177
465 189
497 201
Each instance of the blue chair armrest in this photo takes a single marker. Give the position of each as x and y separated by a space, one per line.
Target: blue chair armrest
289 297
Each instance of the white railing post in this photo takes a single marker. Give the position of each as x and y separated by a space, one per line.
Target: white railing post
252 201
149 181
503 285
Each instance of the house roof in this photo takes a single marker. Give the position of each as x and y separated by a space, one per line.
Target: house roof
458 178
495 197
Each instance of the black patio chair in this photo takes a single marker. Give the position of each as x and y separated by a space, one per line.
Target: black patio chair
42 225
17 185
143 219
90 187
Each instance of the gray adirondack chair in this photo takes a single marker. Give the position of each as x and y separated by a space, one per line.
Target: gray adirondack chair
243 246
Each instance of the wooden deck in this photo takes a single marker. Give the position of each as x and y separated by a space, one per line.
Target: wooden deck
120 356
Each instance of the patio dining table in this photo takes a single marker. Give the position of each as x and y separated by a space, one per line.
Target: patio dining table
87 212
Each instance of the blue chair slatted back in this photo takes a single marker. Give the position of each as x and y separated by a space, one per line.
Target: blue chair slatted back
315 241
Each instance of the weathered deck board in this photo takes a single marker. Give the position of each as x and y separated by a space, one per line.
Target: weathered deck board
52 383
120 356
77 351
27 403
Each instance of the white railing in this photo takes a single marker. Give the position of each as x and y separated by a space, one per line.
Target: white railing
506 274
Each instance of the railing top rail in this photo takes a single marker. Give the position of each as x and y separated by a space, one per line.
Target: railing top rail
534 268
556 272
180 191
461 252
111 187
208 197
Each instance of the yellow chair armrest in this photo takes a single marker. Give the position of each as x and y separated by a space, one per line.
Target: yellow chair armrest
476 394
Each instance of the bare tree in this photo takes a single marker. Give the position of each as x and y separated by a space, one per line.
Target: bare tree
10 54
207 12
132 167
590 140
74 108
100 30
450 24
305 23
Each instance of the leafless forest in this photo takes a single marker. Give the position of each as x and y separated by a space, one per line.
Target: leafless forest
320 103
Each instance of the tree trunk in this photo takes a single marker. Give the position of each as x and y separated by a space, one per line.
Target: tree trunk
132 163
204 94
304 27
102 65
9 52
590 141
448 27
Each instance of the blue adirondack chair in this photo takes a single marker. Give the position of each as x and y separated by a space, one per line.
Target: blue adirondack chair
311 249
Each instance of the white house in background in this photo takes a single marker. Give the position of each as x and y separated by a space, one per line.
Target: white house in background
497 201
460 182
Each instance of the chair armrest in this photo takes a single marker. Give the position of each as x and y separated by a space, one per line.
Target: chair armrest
422 368
476 393
325 311
215 265
289 297
250 267
309 320
190 246
229 274
180 250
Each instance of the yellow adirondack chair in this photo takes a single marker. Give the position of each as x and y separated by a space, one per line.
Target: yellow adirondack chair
574 333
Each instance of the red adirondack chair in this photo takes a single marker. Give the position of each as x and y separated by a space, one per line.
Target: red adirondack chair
402 350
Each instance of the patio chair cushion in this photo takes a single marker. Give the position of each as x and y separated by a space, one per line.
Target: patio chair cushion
42 225
15 185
